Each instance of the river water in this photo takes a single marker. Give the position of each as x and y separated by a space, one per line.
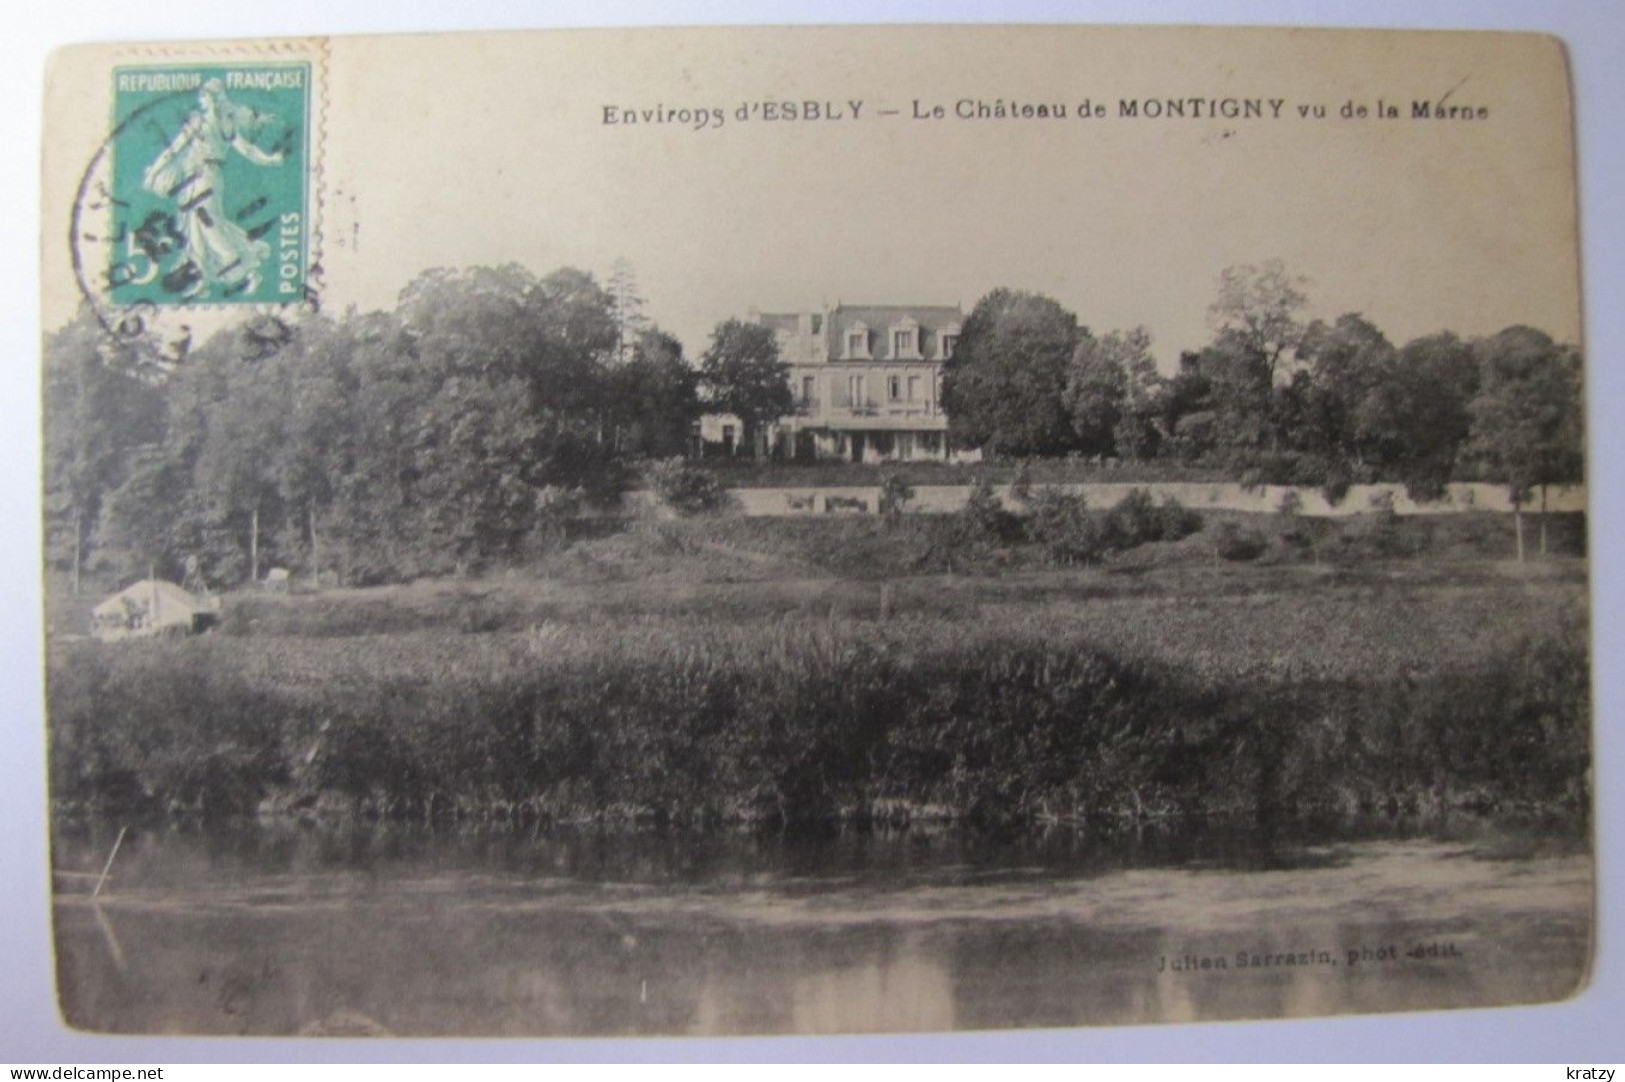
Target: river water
286 929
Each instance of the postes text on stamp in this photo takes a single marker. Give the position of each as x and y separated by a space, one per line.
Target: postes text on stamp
210 185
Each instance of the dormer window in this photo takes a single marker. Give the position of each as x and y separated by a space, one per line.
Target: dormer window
948 341
905 340
857 341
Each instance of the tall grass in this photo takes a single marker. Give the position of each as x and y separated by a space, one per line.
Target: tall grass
796 721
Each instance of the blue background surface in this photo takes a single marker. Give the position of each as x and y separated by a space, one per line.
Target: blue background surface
1579 1031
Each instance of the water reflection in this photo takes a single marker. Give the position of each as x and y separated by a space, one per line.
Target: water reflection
389 929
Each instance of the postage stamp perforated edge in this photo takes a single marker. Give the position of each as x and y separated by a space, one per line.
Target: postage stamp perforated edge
158 325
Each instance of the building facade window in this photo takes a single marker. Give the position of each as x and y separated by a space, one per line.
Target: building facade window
949 341
894 388
857 340
808 385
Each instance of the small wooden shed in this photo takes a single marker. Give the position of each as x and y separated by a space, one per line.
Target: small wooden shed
153 607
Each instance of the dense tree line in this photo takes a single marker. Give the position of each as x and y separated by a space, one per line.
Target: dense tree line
469 423
1271 398
462 427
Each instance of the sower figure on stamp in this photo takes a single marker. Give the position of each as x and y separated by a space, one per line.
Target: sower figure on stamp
191 172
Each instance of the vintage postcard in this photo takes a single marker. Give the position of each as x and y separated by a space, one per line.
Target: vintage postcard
813 530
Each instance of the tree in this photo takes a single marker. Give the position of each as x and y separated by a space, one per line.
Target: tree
1109 393
239 453
1526 416
556 333
1256 312
148 522
1136 434
1004 388
578 334
350 470
375 447
742 375
654 397
1241 399
317 449
479 460
1095 393
1417 419
1182 410
509 411
100 404
627 305
1255 322
1348 361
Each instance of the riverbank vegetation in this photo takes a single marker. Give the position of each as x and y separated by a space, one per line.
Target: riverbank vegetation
1082 694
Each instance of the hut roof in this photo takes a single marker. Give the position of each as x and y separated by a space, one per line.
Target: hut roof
148 605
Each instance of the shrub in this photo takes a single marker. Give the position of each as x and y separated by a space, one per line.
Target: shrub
1021 485
685 489
555 507
895 493
1337 482
1178 521
160 726
1133 521
983 518
1232 542
1297 536
1061 523
1136 521
1333 476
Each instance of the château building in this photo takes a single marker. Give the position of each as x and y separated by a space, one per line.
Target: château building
867 381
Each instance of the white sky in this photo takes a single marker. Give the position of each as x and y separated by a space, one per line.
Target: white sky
455 150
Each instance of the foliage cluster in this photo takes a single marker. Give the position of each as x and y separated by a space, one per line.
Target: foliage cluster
795 722
1271 399
685 488
460 429
456 430
1061 522
1233 542
895 494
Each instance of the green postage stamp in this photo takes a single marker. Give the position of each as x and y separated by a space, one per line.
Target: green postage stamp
210 185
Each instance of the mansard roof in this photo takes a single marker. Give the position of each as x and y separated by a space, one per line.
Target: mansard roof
878 318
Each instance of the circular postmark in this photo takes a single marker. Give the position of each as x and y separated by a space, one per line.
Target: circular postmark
195 211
